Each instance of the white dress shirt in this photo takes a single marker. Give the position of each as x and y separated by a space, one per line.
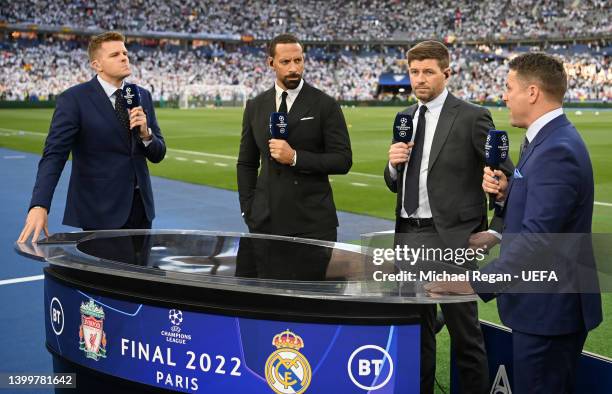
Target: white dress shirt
434 108
291 95
110 90
540 122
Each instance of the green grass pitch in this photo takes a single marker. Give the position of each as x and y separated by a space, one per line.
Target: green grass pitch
203 145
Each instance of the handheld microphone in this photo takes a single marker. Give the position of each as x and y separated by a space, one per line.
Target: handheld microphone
131 94
402 132
279 125
496 152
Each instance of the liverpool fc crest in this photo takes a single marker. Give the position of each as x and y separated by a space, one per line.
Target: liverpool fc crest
92 339
287 370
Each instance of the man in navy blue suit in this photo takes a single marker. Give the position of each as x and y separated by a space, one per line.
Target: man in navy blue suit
109 185
548 199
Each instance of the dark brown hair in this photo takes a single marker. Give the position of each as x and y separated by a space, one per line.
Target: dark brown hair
430 50
282 39
544 70
96 41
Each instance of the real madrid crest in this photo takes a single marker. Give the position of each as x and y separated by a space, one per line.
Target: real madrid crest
287 370
92 338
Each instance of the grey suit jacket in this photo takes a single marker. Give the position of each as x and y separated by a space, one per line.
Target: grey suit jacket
454 180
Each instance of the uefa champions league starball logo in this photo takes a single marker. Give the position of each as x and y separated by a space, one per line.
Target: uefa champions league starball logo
175 316
128 95
488 146
504 147
282 125
403 124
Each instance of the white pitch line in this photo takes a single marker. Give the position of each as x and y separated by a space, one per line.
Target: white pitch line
14 157
13 131
221 164
193 152
21 280
181 158
201 161
359 184
604 204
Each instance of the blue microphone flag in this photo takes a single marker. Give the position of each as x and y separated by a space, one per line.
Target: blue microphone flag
402 128
496 148
279 125
131 94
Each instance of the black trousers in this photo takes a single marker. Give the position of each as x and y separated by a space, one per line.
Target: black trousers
467 341
275 259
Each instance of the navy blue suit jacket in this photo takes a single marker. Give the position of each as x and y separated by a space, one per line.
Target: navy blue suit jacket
105 166
551 192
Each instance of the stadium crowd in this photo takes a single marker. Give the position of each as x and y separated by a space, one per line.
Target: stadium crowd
324 21
41 70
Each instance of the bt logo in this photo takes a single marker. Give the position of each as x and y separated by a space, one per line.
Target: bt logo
370 367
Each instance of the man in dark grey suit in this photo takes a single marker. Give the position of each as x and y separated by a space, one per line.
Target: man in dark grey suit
291 195
440 201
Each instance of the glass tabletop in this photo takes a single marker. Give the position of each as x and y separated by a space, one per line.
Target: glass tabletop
251 263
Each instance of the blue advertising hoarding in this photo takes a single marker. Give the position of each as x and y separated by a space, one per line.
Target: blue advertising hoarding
197 352
594 375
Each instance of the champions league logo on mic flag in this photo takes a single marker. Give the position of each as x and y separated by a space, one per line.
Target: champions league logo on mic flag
402 128
131 94
496 148
279 126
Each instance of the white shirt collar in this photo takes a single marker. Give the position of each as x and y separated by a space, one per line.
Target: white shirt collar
542 121
108 88
435 106
291 93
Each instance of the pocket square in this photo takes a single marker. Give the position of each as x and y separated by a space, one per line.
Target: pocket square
517 174
308 118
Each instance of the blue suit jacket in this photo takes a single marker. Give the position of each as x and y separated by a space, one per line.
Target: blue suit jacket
105 170
551 192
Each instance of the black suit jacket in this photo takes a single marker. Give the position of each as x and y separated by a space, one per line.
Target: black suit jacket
454 180
287 200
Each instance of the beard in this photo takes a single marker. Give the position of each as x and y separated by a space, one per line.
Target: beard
292 83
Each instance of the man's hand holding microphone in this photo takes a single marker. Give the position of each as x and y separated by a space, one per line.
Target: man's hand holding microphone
280 150
138 118
495 183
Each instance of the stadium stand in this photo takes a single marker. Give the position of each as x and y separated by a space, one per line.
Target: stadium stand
326 21
38 64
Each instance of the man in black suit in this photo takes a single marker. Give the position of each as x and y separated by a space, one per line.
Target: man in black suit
292 195
440 201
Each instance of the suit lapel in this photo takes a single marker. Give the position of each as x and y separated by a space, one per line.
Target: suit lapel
540 137
105 107
301 106
443 128
268 105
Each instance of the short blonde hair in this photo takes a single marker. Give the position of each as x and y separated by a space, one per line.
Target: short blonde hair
96 41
